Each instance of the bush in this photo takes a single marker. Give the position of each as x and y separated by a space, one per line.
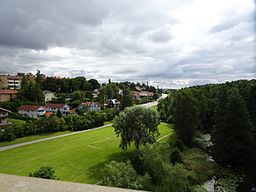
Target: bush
45 173
179 144
175 157
120 174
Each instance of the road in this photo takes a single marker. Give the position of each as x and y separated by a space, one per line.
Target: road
150 104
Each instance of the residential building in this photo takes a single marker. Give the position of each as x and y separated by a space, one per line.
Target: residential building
14 82
90 106
33 111
114 103
4 116
7 94
54 107
48 96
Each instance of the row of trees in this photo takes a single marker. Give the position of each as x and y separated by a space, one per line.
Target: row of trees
226 111
56 124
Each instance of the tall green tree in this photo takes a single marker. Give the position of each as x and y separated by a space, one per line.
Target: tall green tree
233 139
127 99
186 116
136 125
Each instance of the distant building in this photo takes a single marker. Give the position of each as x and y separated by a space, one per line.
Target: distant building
4 116
33 111
48 96
90 106
7 94
10 81
14 82
54 107
114 103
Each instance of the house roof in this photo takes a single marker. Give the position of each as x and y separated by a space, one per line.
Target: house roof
5 110
55 105
8 91
14 78
29 107
89 103
48 114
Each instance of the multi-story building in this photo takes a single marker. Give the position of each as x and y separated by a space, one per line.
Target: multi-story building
14 82
11 82
54 107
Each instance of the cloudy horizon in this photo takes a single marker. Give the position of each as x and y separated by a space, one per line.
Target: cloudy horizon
167 43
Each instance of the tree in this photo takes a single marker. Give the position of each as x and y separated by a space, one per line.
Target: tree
126 100
186 116
138 125
120 174
45 173
95 84
109 91
59 114
233 136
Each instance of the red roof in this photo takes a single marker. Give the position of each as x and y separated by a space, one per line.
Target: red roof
14 77
8 91
55 105
29 107
48 114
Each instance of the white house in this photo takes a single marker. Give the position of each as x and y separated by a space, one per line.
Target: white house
48 96
33 111
113 103
90 106
54 107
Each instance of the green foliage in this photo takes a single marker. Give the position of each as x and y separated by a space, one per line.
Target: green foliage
233 136
30 92
127 100
138 125
45 173
58 114
95 84
228 181
186 116
120 174
175 156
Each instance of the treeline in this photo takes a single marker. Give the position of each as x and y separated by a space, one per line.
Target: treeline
55 124
226 111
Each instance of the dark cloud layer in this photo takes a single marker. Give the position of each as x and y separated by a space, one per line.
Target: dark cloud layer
170 43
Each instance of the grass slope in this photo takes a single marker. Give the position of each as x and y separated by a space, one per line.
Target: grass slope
76 158
32 138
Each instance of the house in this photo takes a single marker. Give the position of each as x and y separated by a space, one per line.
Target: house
90 106
48 96
54 107
113 103
4 116
7 94
33 111
146 94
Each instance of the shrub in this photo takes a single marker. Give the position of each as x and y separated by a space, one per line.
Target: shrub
120 174
45 173
175 156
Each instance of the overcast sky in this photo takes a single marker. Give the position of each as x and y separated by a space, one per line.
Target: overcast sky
173 43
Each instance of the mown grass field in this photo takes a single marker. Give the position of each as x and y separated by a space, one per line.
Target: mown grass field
76 158
32 138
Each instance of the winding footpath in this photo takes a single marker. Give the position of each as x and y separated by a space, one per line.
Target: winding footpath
150 104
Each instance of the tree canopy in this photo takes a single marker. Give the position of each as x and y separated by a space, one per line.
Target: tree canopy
136 125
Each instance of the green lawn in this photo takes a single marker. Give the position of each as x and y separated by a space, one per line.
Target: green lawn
32 138
16 121
76 158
